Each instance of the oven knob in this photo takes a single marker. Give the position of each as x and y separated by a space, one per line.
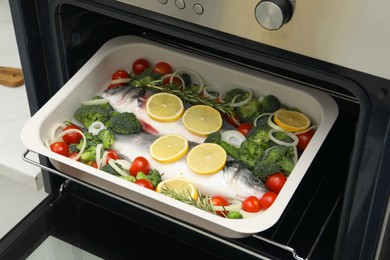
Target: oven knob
273 14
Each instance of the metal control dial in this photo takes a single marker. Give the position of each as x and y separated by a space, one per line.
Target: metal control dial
273 14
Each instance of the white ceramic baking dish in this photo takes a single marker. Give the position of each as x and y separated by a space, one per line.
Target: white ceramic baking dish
119 53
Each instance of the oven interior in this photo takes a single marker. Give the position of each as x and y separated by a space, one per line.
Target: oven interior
310 224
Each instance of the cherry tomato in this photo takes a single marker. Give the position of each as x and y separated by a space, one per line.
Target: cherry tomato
140 65
162 68
234 121
244 128
175 80
111 154
267 199
251 204
120 74
93 164
73 137
73 155
304 139
60 148
276 181
220 201
140 164
144 183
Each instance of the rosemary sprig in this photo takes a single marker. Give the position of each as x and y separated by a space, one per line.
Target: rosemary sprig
203 202
190 94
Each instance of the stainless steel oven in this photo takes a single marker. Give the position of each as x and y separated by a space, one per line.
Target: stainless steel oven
340 209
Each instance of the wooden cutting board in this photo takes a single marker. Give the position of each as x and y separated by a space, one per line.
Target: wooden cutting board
11 77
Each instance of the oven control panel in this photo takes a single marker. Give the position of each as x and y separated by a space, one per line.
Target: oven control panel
349 33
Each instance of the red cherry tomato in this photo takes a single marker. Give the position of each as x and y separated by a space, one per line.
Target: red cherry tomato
276 181
111 154
93 164
73 155
162 68
234 121
120 74
251 204
244 128
140 164
73 137
267 199
144 183
175 80
220 201
60 148
140 65
304 139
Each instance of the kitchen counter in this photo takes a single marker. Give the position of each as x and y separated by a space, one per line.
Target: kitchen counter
14 112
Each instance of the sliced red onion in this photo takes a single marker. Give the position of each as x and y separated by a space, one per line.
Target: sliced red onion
96 127
98 152
306 130
207 94
279 142
245 101
234 205
233 137
111 162
191 73
273 125
260 116
125 164
68 131
120 81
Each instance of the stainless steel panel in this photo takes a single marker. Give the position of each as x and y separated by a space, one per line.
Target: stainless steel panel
349 33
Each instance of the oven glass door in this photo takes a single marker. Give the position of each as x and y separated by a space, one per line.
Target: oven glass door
67 226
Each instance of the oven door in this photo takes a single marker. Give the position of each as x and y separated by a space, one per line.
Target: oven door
78 223
324 219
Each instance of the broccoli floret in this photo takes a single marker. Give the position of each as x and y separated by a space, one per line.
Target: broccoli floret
286 165
270 104
154 177
125 123
87 114
236 94
216 138
234 215
276 158
89 154
282 136
142 79
92 140
129 178
259 134
73 148
248 112
249 153
107 137
108 169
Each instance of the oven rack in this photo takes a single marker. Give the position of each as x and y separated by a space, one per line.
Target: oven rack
256 251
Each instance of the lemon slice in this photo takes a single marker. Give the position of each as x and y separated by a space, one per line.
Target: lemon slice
178 185
202 120
291 120
168 148
206 158
164 107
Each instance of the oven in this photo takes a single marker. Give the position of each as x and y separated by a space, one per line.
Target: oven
340 208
